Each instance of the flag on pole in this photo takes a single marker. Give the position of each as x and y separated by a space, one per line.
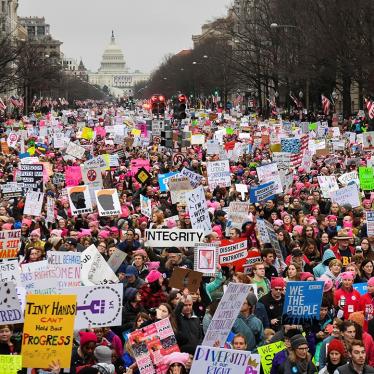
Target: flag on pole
370 107
2 105
297 102
326 103
15 102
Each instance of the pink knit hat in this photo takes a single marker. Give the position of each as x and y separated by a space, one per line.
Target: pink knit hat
104 234
176 358
153 265
153 276
7 226
56 232
298 229
27 222
35 232
371 282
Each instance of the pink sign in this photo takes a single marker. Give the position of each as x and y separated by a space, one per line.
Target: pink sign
139 163
100 131
73 176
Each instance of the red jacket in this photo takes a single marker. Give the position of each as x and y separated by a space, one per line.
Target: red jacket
367 305
151 299
352 301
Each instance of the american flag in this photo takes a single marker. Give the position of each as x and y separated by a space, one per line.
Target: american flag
297 102
273 105
2 105
325 104
370 107
296 158
15 102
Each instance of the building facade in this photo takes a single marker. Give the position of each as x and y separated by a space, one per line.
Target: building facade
114 74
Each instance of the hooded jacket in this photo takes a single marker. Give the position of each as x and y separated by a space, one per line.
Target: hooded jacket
323 266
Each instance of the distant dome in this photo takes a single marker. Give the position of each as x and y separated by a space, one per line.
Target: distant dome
113 58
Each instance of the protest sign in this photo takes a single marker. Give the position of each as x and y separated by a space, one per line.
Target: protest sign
139 163
79 200
198 210
231 251
302 302
151 343
108 202
267 235
58 140
270 173
238 213
362 288
12 190
73 175
173 238
226 314
163 180
10 364
10 271
10 242
58 178
65 267
370 222
48 330
212 147
97 306
328 184
116 259
347 195
50 210
95 270
291 145
10 307
218 174
12 140
195 179
75 150
145 206
92 177
142 176
262 192
349 178
243 189
366 176
32 176
267 353
206 259
178 186
209 360
182 278
282 159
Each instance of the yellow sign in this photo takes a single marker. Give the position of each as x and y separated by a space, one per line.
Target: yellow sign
136 132
87 133
48 330
10 364
267 353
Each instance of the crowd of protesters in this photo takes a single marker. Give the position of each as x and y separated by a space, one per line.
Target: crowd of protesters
319 240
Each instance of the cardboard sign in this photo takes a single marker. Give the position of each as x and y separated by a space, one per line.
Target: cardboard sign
108 202
11 190
33 203
75 150
58 140
270 173
370 222
198 210
97 306
32 176
206 361
95 270
48 330
347 195
226 314
145 206
116 259
10 364
79 200
173 238
163 180
282 159
139 163
10 243
185 278
50 209
206 259
219 174
10 307
262 192
302 302
366 175
328 184
151 343
10 271
178 186
267 235
238 213
232 251
349 178
267 353
195 179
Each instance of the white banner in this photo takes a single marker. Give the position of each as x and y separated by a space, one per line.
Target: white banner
173 238
198 210
270 173
347 195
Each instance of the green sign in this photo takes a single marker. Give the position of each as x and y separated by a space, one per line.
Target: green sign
366 176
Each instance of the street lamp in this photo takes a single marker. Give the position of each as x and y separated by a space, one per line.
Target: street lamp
301 94
194 62
275 26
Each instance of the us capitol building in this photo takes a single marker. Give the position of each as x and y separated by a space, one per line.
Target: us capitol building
114 74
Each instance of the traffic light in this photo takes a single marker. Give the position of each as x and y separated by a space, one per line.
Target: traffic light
181 106
158 104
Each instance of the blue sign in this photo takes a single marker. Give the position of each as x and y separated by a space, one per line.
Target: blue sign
302 302
362 288
163 178
262 192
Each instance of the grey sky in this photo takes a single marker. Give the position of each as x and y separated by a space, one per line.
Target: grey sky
146 30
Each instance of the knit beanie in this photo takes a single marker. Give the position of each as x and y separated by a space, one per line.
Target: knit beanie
357 317
297 341
86 337
336 345
103 354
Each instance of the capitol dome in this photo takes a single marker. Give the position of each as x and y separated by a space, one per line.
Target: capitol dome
113 60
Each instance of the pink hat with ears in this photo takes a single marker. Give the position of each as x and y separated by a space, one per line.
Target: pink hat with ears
104 234
298 229
299 185
217 229
295 178
153 265
253 172
7 226
176 358
92 217
27 221
35 232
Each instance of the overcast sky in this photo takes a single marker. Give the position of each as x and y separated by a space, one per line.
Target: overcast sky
146 30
